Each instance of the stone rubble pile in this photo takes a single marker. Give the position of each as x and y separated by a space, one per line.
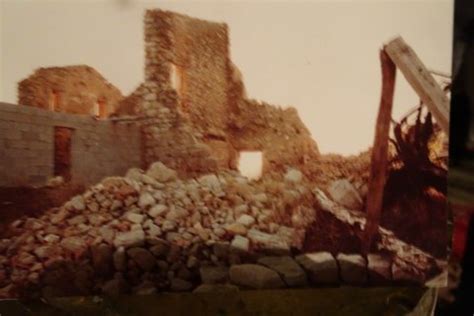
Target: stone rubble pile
152 231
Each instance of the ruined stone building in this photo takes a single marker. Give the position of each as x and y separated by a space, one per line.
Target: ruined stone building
190 112
186 218
71 89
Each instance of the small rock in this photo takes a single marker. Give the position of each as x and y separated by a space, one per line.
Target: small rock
246 220
107 233
76 220
168 225
269 243
154 230
145 199
77 203
51 238
176 214
255 276
344 193
134 217
74 244
142 257
161 173
293 175
131 238
157 210
236 229
240 243
211 181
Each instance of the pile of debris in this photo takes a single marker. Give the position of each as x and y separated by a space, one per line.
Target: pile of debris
152 231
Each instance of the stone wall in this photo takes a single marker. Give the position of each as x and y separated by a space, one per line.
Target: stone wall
196 100
71 89
99 148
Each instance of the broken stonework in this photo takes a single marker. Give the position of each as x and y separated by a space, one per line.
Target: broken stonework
255 276
271 244
240 243
344 193
130 239
321 267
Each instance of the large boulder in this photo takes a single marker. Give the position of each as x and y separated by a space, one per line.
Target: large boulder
255 276
291 272
161 173
353 268
321 267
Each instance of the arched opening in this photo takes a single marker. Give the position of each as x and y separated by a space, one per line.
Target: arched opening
251 164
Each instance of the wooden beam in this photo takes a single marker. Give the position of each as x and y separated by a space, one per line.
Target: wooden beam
422 81
379 160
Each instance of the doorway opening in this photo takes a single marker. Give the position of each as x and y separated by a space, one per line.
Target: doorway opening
250 164
62 152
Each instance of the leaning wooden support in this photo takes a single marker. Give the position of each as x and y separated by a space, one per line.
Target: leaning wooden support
378 171
421 80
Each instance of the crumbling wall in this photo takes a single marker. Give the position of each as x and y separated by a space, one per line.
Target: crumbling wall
71 89
279 133
196 105
99 148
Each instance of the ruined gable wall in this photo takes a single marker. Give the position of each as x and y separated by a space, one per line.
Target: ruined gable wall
76 90
278 133
257 126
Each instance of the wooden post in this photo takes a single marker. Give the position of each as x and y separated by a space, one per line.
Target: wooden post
378 168
421 80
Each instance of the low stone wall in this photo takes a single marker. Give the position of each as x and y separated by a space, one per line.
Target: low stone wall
153 231
98 148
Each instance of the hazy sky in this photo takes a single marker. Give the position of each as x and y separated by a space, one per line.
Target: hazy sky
319 56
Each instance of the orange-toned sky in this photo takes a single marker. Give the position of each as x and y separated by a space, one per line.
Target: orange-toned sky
319 56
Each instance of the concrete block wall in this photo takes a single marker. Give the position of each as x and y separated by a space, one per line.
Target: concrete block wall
99 148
